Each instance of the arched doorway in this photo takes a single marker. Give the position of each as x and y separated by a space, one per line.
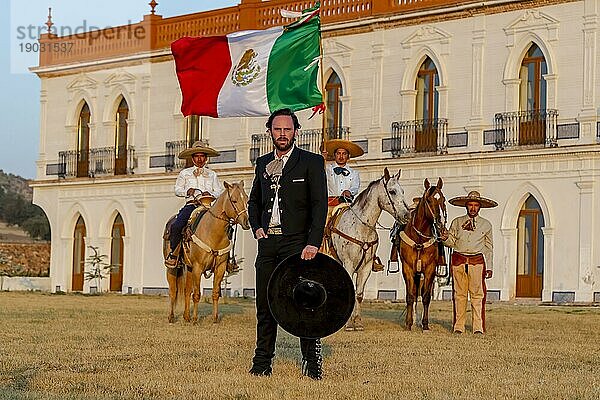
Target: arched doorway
121 138
333 111
530 250
83 141
116 254
426 107
78 255
532 97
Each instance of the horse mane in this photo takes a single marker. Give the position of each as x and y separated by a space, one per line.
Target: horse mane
362 198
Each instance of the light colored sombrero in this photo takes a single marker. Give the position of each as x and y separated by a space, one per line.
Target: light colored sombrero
474 195
198 147
353 149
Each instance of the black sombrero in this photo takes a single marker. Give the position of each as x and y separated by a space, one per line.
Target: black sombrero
311 298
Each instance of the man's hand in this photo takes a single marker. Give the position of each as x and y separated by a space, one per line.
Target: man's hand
444 236
488 273
190 191
260 234
347 194
309 252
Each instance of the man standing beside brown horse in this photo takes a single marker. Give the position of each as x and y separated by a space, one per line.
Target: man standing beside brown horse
470 236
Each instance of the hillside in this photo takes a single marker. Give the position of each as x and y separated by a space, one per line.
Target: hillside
15 184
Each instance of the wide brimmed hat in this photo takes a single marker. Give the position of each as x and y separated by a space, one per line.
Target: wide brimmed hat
473 195
353 149
311 298
198 147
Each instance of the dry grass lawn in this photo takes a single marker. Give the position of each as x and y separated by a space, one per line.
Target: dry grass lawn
121 347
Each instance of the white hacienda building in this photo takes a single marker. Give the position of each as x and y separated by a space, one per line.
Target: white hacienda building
498 96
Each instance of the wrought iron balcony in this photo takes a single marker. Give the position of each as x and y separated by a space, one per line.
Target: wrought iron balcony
526 128
420 136
97 162
307 139
172 161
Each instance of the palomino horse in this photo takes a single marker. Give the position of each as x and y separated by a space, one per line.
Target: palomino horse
419 249
352 235
207 250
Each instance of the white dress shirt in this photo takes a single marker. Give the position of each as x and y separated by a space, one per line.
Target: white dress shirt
207 181
336 184
276 216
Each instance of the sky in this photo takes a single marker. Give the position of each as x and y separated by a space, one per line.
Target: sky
20 89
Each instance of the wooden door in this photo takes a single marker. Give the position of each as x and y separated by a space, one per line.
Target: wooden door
78 256
116 255
530 251
121 139
83 142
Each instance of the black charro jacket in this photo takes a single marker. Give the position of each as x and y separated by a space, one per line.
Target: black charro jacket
302 196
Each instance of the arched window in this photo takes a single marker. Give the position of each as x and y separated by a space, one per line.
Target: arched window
121 138
333 112
532 91
116 254
78 255
530 249
426 107
83 141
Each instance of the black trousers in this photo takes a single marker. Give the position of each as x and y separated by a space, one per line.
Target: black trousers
271 251
180 222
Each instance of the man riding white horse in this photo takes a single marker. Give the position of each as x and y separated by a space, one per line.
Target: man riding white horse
200 186
343 182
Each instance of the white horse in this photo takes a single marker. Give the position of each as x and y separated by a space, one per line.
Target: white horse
353 235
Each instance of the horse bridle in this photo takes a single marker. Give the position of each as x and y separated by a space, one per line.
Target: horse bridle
436 220
389 196
230 220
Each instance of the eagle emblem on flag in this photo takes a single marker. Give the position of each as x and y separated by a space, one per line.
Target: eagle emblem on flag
246 70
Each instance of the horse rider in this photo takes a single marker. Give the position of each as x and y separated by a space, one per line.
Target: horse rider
343 181
470 236
199 185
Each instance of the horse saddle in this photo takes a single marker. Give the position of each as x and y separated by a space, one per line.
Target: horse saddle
192 224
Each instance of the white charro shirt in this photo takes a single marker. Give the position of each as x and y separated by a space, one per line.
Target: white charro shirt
472 242
276 215
207 181
336 184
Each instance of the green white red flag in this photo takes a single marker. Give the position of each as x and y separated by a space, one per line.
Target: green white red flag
251 73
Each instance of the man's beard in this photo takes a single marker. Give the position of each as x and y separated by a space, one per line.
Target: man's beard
284 147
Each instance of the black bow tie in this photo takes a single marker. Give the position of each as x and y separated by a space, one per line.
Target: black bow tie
341 171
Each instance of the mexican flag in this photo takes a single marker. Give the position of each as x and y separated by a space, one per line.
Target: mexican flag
250 73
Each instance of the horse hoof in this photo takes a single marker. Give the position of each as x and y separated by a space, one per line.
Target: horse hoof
171 319
217 319
426 330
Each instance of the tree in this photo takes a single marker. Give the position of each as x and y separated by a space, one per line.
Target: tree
98 267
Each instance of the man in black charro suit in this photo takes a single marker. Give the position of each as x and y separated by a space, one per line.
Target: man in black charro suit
287 208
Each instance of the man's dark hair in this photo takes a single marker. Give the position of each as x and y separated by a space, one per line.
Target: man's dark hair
283 111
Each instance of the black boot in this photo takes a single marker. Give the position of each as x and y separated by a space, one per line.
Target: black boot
312 360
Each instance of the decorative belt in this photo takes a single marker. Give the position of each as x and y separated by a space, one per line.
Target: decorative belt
274 230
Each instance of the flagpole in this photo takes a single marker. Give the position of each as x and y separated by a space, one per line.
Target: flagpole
323 116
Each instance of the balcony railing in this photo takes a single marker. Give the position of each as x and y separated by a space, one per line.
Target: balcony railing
420 136
308 139
97 162
526 128
173 162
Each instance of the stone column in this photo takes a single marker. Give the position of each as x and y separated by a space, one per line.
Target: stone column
548 283
584 291
508 266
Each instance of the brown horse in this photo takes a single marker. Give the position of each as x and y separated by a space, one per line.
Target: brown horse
419 249
206 251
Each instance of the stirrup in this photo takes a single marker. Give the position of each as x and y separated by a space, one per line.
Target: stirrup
377 265
171 261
